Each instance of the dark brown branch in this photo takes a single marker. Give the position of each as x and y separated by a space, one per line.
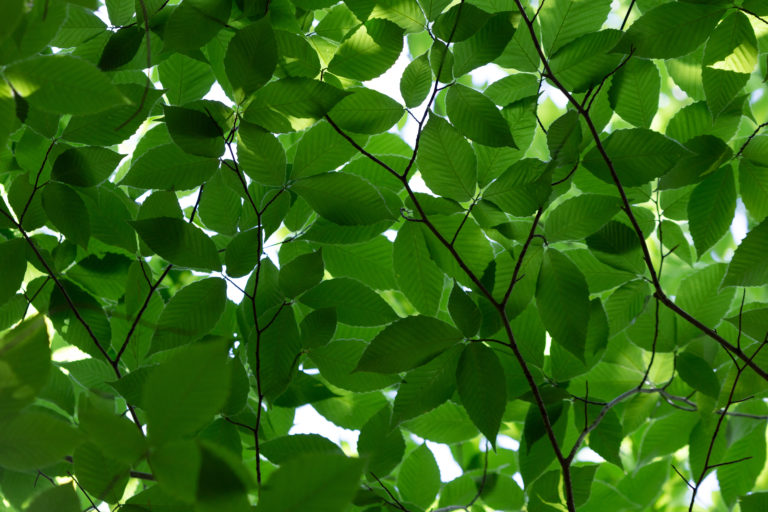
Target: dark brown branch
749 139
659 293
36 186
389 493
519 262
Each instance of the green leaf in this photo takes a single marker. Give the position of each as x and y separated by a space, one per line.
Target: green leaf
416 81
746 269
67 212
697 373
484 46
729 58
63 84
192 24
380 444
116 124
34 439
195 132
103 477
482 388
251 58
182 394
192 312
369 51
711 209
301 274
580 216
634 92
754 502
753 186
427 386
121 48
363 204
62 498
168 167
370 263
708 154
419 477
670 30
185 78
328 482
321 149
85 166
408 343
562 21
521 189
476 117
563 300
446 160
417 275
355 303
564 140
464 311
584 62
366 111
13 256
282 449
179 242
11 13
638 156
26 361
300 98
337 360
260 154
295 56
739 478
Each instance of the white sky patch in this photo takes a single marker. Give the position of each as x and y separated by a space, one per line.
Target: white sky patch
553 93
739 224
308 421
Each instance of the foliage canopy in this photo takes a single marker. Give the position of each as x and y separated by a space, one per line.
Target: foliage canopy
553 290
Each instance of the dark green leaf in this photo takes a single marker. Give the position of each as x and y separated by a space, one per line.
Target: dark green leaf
85 166
63 84
366 111
416 81
638 156
476 117
481 385
168 167
301 274
363 204
251 58
408 343
671 30
179 242
419 477
33 439
634 92
191 313
355 303
580 216
182 394
446 160
563 300
696 372
464 311
711 208
369 51
12 254
328 482
193 131
746 268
